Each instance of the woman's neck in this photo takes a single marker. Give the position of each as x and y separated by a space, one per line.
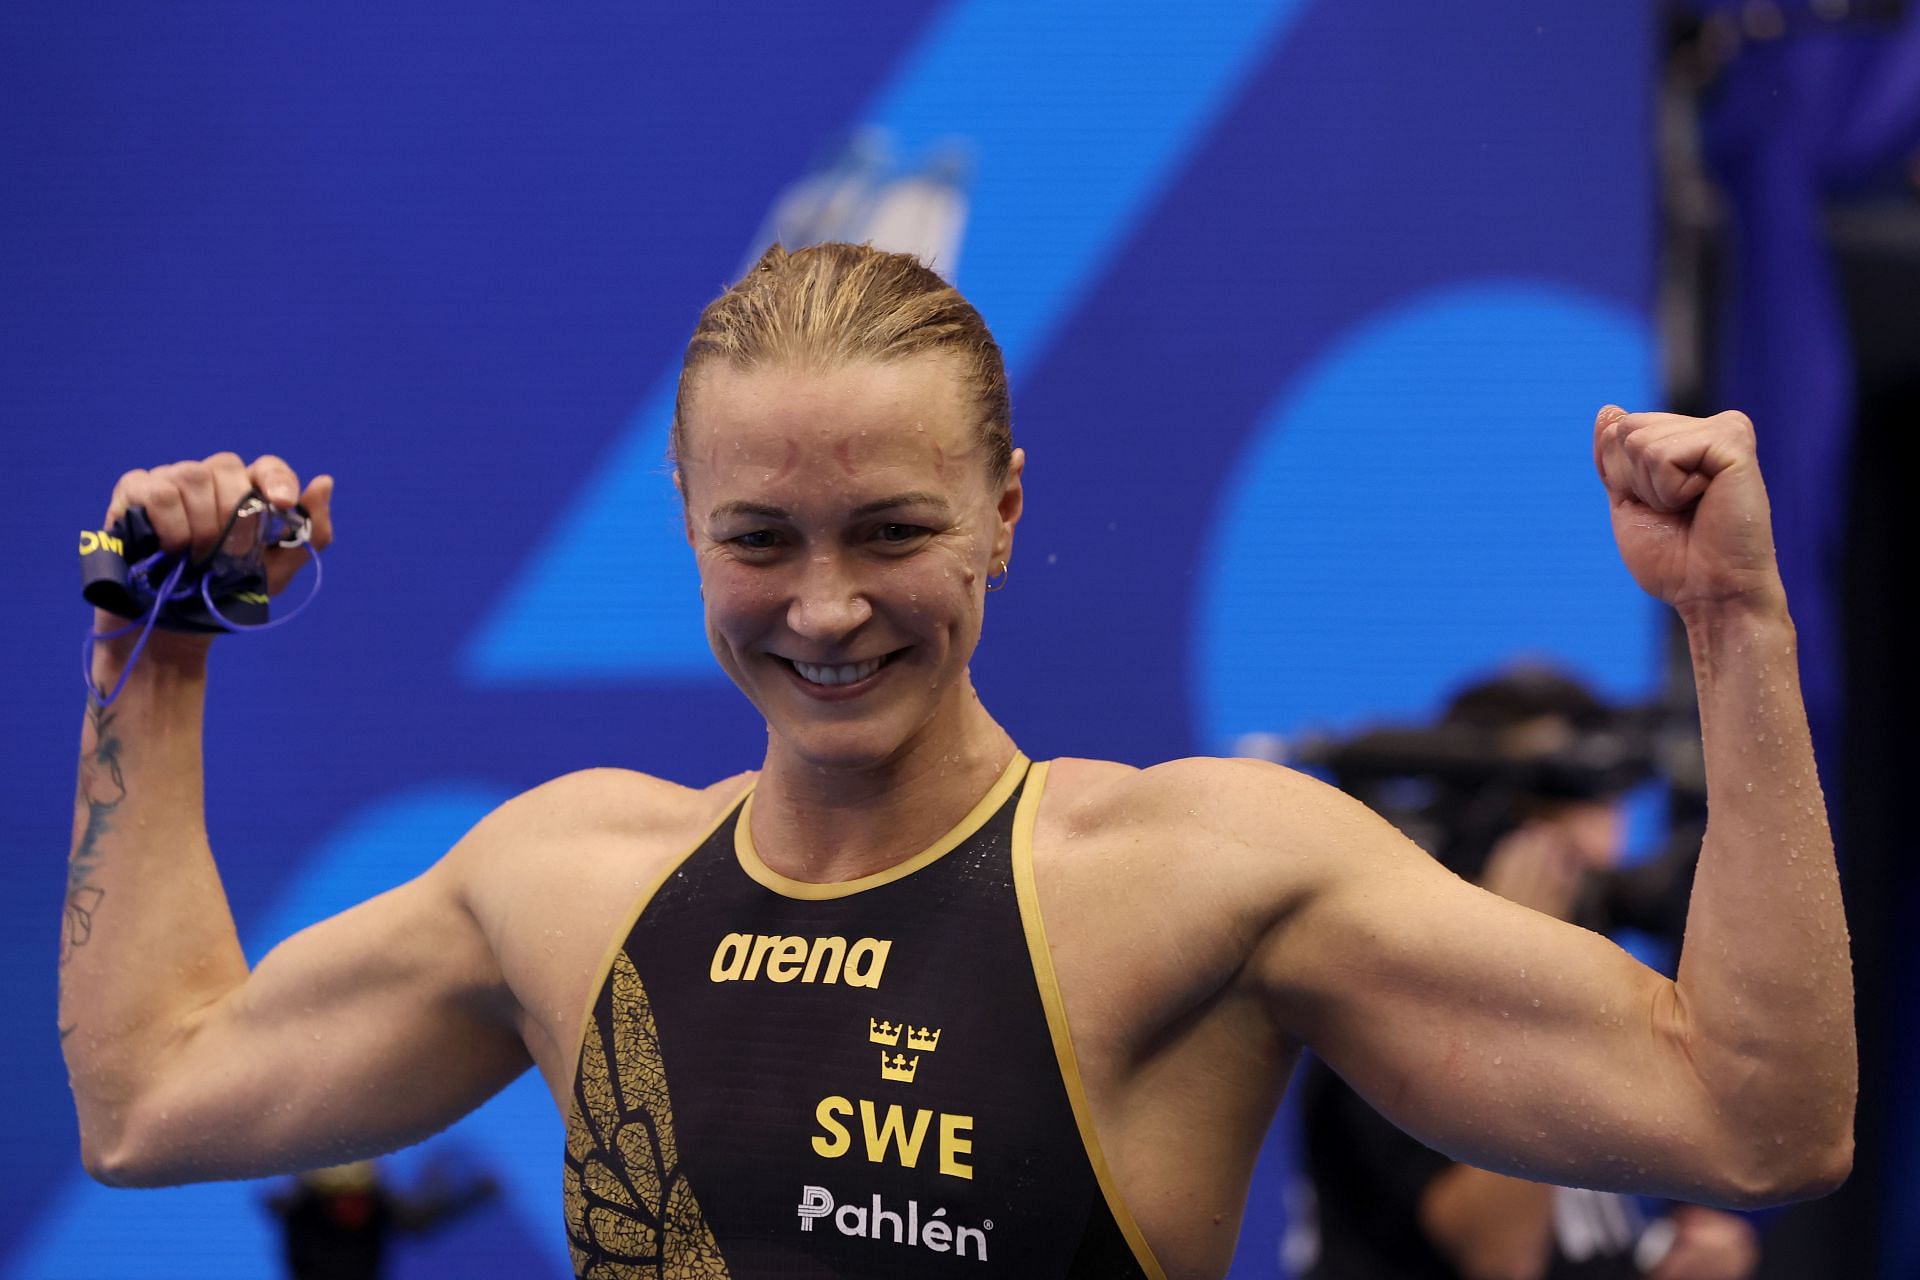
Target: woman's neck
829 824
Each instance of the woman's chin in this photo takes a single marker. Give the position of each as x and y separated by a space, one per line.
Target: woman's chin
849 744
840 753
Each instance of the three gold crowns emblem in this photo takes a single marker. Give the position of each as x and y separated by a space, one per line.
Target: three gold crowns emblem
898 1066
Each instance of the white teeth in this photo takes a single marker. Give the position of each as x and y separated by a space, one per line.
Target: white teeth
838 675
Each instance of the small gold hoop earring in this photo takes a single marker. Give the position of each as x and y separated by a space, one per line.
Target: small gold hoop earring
995 583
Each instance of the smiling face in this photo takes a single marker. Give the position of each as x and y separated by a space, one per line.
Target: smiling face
845 522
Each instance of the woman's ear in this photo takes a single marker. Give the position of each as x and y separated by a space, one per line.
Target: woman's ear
1012 502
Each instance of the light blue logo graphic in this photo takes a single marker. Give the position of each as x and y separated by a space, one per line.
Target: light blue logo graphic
1419 507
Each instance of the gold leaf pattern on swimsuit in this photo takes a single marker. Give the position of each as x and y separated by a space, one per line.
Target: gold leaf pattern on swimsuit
629 1210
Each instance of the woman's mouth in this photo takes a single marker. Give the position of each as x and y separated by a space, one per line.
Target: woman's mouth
838 680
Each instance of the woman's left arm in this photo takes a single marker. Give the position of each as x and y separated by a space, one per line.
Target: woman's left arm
1523 1044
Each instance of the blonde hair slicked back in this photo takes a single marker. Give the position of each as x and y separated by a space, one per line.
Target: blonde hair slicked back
830 304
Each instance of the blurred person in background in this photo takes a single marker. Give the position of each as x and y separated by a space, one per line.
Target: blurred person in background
338 1222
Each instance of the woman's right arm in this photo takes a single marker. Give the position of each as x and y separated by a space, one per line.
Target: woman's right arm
361 1033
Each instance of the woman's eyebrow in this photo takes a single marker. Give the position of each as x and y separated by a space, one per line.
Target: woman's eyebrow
914 498
747 509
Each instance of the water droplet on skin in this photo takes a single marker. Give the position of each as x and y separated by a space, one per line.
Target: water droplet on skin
1536 1002
1497 1060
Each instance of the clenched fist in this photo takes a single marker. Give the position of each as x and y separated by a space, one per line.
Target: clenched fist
1690 513
189 505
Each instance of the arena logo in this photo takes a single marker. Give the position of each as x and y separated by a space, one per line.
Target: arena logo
875 1222
740 957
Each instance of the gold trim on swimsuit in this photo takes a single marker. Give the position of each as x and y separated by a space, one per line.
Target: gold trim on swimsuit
809 891
1024 819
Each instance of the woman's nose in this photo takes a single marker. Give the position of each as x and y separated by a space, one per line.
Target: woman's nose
827 601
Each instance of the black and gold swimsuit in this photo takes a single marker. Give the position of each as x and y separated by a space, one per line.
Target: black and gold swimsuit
872 1078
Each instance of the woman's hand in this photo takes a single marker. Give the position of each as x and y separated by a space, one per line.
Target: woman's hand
1690 513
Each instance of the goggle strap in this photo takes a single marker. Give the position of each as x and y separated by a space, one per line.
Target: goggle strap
146 629
206 598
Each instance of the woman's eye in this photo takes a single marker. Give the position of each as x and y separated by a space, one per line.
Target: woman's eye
899 532
758 540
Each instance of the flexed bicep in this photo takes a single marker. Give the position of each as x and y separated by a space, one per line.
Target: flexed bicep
1495 1033
357 1035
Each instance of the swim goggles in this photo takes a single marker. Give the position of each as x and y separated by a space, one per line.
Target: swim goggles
124 571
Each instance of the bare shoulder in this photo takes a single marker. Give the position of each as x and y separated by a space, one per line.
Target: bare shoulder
1159 889
1205 854
550 876
1201 805
1229 845
570 816
613 800
1218 862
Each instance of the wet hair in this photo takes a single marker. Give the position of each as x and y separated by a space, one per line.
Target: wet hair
830 304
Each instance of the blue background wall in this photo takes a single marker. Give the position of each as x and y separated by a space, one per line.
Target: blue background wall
1308 306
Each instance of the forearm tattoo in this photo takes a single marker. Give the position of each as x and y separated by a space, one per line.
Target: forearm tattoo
102 788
